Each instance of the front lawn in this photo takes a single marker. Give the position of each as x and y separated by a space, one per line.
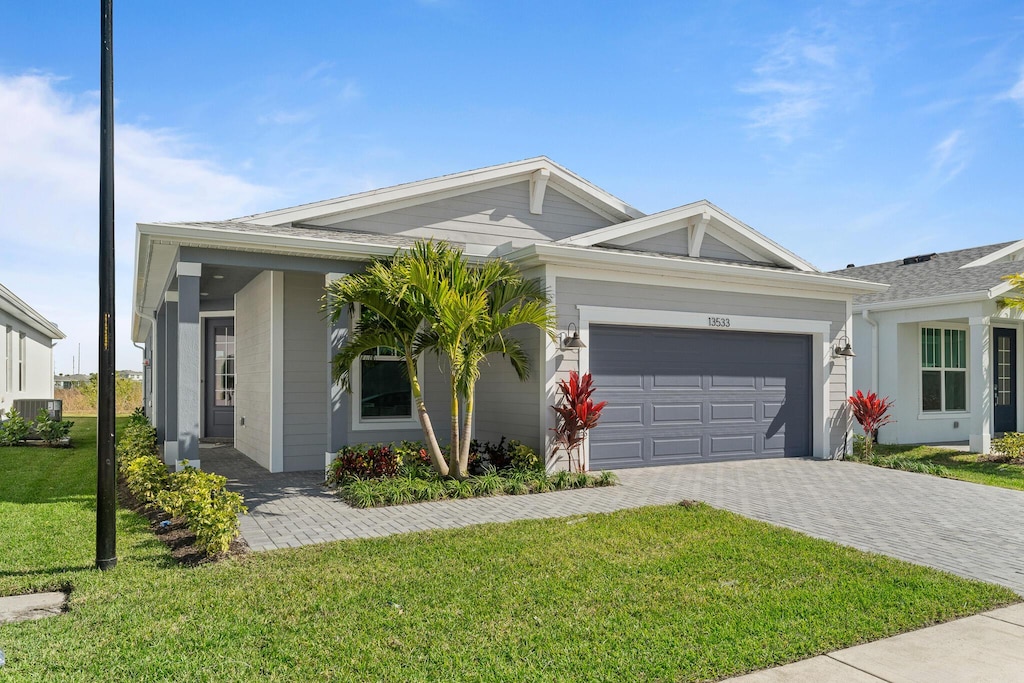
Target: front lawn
949 463
660 593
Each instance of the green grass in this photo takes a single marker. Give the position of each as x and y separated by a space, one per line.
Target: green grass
953 465
655 594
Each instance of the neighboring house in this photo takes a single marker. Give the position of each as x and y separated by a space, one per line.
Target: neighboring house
70 381
942 346
27 351
707 339
133 375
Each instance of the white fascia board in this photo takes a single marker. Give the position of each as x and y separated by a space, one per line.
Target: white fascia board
389 198
558 254
702 208
942 299
13 305
996 255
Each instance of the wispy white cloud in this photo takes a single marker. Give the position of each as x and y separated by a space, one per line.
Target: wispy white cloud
797 80
285 118
48 203
1016 93
350 91
948 157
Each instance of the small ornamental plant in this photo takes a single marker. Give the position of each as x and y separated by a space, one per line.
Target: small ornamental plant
577 415
871 413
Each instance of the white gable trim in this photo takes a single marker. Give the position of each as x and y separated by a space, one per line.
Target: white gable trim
433 189
1015 250
641 228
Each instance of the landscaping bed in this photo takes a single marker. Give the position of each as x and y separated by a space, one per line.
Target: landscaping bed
944 462
397 474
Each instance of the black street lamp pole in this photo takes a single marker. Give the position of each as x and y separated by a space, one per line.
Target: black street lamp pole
106 472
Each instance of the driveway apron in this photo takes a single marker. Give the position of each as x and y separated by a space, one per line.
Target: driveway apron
967 529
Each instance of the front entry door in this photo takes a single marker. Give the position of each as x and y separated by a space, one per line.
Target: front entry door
219 378
1005 365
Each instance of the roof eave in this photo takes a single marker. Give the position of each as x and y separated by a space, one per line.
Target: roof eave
557 254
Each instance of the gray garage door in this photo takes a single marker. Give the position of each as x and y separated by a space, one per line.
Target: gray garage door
677 396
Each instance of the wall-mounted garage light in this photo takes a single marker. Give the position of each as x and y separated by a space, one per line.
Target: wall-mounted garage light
573 342
843 350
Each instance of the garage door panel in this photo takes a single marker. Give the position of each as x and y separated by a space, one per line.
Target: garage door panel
676 448
622 414
722 412
733 444
729 382
618 453
685 395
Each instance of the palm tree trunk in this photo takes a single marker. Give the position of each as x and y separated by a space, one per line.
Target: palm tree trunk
454 449
467 430
436 456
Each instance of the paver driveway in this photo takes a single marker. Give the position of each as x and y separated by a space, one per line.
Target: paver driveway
968 529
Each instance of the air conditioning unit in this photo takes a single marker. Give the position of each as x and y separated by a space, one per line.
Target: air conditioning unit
28 408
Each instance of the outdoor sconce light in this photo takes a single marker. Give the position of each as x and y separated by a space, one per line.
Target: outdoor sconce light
841 350
573 342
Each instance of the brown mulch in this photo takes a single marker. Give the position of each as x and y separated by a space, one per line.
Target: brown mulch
1001 459
175 534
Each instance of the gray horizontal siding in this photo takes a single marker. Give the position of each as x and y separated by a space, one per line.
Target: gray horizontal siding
253 327
493 216
506 405
306 384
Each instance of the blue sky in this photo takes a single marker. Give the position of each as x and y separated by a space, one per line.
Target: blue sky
848 132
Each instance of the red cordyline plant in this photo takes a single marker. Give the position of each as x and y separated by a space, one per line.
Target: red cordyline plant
871 413
577 414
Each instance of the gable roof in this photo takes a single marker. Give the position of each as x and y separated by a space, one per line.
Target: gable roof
20 310
964 274
735 233
390 198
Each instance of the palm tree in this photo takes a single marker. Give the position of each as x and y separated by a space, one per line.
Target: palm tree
472 311
391 315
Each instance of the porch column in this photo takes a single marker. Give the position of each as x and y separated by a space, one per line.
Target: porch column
337 422
169 376
159 371
188 360
980 382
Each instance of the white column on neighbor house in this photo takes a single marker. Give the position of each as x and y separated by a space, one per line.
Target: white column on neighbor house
980 382
188 360
337 422
170 374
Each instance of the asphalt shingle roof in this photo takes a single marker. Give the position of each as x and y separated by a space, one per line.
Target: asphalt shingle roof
942 275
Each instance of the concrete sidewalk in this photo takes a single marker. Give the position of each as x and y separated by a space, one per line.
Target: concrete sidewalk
985 648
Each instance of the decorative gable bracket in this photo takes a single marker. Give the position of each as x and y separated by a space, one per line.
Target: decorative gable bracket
538 185
696 234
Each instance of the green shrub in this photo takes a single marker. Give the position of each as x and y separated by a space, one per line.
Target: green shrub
523 457
210 511
51 431
14 429
411 453
1010 447
137 440
146 477
488 483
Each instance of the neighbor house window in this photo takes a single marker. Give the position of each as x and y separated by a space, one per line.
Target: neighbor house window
384 389
21 363
943 369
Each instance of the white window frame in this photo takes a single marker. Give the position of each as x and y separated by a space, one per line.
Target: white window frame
8 359
21 363
942 370
360 423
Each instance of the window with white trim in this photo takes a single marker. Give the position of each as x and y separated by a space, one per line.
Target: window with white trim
21 362
384 389
943 370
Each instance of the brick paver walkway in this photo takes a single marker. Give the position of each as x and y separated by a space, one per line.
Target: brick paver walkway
967 529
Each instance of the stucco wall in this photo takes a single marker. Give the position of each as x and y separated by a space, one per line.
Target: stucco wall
38 362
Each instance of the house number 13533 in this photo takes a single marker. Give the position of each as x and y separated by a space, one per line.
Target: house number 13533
714 321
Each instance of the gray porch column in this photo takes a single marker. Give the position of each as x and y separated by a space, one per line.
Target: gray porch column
980 382
188 360
169 376
159 371
337 420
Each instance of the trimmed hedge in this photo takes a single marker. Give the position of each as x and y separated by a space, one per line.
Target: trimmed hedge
200 498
